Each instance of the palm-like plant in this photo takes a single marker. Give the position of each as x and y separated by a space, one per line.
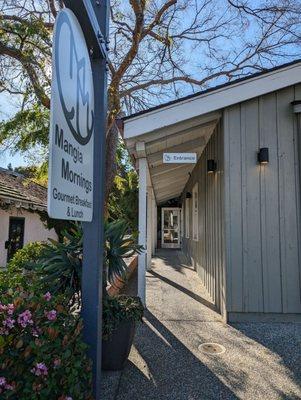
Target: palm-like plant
119 246
60 264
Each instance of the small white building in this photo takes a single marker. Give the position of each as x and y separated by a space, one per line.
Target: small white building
236 211
22 204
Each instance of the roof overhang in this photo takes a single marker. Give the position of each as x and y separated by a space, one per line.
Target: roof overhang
26 205
186 125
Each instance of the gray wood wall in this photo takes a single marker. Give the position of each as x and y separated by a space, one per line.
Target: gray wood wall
262 205
207 254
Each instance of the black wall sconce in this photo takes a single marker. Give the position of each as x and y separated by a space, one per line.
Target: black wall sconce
211 166
263 155
188 195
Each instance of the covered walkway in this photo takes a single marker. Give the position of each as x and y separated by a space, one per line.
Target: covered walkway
261 361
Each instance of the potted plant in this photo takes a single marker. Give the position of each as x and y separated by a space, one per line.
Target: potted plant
120 317
120 313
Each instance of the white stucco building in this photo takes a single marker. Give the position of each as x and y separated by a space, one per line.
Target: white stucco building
22 203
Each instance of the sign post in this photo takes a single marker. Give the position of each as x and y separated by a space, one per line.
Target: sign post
77 147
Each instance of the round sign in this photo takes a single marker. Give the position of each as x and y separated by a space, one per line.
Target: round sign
71 144
73 68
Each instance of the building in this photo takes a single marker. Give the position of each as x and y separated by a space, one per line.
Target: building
236 211
22 204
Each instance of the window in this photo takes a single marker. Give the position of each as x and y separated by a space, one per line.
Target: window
187 218
195 212
15 236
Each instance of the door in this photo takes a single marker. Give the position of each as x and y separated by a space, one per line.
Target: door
15 236
171 228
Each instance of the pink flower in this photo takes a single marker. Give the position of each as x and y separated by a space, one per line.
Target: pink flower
47 296
9 387
51 315
9 322
2 381
11 309
25 319
40 369
68 398
36 332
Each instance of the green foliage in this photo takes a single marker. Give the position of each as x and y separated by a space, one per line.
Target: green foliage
118 309
27 255
17 274
36 173
25 279
119 246
123 200
26 129
42 355
60 264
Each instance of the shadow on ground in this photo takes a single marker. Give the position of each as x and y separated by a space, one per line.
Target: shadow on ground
164 368
261 361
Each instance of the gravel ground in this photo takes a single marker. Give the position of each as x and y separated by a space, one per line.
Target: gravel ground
261 360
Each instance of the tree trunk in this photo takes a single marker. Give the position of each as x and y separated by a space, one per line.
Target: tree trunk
111 167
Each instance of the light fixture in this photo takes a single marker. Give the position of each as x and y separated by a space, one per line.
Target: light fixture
296 106
211 166
263 155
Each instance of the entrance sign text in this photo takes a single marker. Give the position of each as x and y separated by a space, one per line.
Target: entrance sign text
179 158
70 188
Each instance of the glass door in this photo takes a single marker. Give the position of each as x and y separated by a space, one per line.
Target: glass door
171 228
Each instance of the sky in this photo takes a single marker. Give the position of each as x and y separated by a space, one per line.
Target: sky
10 104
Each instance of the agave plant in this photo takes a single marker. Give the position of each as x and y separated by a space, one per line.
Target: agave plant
119 246
60 264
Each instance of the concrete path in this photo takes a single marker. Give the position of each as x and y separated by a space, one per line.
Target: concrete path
262 361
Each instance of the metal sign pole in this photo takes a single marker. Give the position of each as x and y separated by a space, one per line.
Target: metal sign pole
93 234
93 16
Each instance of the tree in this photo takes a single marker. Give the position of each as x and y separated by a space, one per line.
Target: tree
123 198
159 49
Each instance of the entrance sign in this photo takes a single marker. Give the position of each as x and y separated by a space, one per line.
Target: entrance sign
179 158
70 189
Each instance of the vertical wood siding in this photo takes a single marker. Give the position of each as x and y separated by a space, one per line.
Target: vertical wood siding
262 205
207 253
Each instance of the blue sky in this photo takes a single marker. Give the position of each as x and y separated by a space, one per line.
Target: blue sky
8 106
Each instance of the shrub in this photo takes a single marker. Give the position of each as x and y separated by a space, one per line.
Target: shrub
42 355
27 280
118 309
27 255
16 273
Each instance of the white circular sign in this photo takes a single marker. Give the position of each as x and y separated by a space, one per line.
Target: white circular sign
70 187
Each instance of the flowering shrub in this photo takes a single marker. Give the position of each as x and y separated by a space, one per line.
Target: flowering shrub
42 355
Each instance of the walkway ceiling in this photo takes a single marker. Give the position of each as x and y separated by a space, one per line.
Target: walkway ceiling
169 180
